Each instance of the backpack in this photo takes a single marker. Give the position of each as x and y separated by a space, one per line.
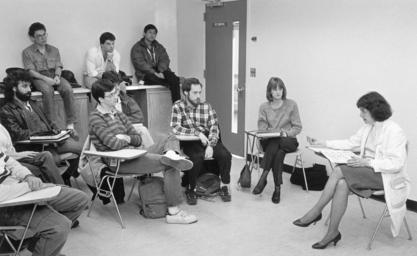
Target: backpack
152 201
207 185
316 177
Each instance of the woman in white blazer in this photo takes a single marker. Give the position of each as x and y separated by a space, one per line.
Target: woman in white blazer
380 165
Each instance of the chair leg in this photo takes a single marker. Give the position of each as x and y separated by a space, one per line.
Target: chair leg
384 213
131 190
408 229
299 162
95 197
114 201
362 209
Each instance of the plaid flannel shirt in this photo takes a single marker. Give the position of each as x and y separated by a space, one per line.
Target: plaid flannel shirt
190 120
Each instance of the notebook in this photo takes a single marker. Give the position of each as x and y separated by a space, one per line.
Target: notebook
64 134
335 156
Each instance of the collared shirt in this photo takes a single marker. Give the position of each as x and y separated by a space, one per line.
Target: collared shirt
6 144
189 120
95 62
34 60
105 111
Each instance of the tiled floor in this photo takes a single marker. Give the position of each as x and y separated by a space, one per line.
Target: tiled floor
249 225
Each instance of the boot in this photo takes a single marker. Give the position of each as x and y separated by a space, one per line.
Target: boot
276 196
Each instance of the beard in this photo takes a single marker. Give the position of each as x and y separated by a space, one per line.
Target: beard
193 102
23 96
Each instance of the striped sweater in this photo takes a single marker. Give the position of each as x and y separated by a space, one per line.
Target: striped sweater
104 127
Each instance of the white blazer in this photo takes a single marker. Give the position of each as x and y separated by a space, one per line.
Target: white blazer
390 161
95 63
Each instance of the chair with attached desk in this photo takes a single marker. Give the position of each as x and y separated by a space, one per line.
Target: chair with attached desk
255 152
111 174
40 197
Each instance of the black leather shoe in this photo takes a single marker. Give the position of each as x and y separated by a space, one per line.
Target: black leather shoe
276 196
323 246
225 194
191 197
301 224
75 224
259 187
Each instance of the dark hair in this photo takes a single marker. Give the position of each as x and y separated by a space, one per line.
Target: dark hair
106 36
12 80
100 87
35 27
273 84
377 106
112 76
186 85
150 26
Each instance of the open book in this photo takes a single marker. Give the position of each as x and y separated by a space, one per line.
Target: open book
334 155
64 134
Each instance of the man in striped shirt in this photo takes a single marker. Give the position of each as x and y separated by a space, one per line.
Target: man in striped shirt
192 117
111 130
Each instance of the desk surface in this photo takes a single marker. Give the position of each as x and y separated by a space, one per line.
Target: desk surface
136 87
125 154
39 196
38 94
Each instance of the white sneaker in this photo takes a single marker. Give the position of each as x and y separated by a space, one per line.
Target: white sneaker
172 159
182 217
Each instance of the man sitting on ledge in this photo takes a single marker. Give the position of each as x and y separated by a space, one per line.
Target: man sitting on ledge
111 130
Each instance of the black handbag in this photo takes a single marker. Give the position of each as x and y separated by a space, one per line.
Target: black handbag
245 177
316 177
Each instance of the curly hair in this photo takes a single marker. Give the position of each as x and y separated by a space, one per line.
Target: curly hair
12 80
377 106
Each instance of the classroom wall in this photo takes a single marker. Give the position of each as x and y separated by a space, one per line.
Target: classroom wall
75 26
329 53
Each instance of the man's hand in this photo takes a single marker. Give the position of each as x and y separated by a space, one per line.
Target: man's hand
203 138
123 137
24 154
358 162
57 80
49 81
209 152
34 182
160 75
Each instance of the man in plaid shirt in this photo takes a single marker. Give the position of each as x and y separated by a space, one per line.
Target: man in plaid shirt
192 117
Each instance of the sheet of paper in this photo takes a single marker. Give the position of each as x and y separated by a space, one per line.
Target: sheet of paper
34 196
335 156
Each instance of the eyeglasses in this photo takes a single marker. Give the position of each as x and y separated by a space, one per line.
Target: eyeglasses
112 94
41 35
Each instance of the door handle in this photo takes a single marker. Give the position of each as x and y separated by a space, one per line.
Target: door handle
240 89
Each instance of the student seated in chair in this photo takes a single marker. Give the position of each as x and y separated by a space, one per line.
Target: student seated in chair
151 62
192 117
51 223
281 115
22 118
44 64
101 59
111 130
382 162
41 164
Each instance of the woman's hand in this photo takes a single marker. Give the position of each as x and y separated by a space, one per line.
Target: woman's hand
315 142
358 162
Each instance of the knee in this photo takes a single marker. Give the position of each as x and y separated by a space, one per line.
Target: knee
65 87
342 185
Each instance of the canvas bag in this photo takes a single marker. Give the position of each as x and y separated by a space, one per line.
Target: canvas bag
207 185
152 201
245 177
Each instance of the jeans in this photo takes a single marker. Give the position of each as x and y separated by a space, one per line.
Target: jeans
65 90
171 81
196 151
50 224
43 165
150 163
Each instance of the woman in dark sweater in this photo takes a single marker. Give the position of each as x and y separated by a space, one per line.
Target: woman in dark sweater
281 115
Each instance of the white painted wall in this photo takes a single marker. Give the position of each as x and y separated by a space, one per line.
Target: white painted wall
74 26
329 53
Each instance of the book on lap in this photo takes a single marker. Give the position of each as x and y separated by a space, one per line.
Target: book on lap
64 134
334 155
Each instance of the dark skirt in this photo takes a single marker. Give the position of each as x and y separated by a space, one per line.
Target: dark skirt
362 180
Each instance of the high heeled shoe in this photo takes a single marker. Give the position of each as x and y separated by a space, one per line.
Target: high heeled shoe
260 186
336 239
298 222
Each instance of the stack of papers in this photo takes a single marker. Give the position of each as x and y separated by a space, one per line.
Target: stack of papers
64 134
335 156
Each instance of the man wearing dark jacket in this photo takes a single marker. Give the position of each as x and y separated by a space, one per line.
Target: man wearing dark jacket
151 63
22 118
